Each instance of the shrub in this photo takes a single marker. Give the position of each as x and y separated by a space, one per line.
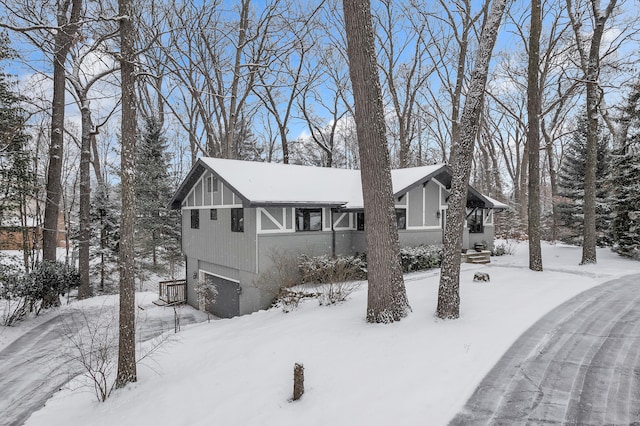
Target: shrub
325 269
502 248
37 290
420 258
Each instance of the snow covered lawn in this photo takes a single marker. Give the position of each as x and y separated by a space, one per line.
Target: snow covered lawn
418 371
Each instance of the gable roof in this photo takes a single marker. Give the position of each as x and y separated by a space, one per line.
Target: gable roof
262 184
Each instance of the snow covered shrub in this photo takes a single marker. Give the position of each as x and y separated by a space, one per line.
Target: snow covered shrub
280 279
327 269
12 299
504 247
206 292
48 281
420 258
23 294
335 292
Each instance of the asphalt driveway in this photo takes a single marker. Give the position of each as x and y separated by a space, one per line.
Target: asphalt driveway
578 365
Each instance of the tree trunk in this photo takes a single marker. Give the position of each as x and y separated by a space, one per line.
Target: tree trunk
63 39
84 291
591 166
533 138
127 342
387 299
449 290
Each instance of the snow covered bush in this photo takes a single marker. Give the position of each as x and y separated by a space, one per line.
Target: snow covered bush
207 292
40 289
420 258
327 269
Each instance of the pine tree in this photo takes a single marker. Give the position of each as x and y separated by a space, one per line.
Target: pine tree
156 226
625 176
105 233
571 187
17 178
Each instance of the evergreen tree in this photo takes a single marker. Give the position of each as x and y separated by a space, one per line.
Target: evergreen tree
625 176
156 226
571 187
105 233
17 178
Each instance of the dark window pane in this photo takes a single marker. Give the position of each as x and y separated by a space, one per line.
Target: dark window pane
237 220
474 221
360 221
308 219
401 218
195 219
212 184
213 214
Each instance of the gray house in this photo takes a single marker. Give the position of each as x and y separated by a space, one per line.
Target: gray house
237 214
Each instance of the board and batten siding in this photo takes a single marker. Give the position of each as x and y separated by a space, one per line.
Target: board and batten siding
213 241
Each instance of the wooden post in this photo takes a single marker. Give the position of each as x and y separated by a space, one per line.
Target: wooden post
298 381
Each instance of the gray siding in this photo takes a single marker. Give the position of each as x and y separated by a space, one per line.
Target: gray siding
414 210
214 242
412 238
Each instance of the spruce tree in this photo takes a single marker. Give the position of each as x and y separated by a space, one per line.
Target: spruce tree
105 232
625 177
17 178
156 226
571 187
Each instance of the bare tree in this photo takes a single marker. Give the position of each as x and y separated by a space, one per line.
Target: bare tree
462 153
127 336
387 298
82 82
403 45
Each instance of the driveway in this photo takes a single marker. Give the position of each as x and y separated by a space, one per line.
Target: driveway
36 365
578 365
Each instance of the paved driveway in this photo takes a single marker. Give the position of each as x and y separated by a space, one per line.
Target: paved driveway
36 365
578 365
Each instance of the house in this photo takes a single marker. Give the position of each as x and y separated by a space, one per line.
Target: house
237 214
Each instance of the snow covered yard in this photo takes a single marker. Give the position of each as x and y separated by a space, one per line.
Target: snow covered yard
418 371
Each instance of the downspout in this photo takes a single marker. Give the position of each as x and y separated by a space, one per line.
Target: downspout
333 234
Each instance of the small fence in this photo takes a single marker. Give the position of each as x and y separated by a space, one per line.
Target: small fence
173 292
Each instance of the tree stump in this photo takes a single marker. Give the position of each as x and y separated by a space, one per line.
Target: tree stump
298 381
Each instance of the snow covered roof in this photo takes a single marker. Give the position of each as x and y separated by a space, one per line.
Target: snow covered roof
260 184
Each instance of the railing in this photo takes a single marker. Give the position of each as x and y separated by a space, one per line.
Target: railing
173 292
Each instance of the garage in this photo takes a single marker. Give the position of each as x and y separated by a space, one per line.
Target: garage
227 303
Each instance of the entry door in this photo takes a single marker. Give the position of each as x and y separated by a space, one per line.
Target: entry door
226 304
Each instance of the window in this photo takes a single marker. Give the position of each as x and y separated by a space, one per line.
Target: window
213 214
237 220
308 219
474 220
401 218
212 184
360 221
195 219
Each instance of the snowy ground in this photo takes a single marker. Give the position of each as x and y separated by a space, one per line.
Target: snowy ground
418 371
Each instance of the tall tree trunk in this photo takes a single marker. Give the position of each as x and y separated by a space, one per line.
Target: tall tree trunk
127 338
84 291
591 166
533 137
449 290
68 26
387 298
